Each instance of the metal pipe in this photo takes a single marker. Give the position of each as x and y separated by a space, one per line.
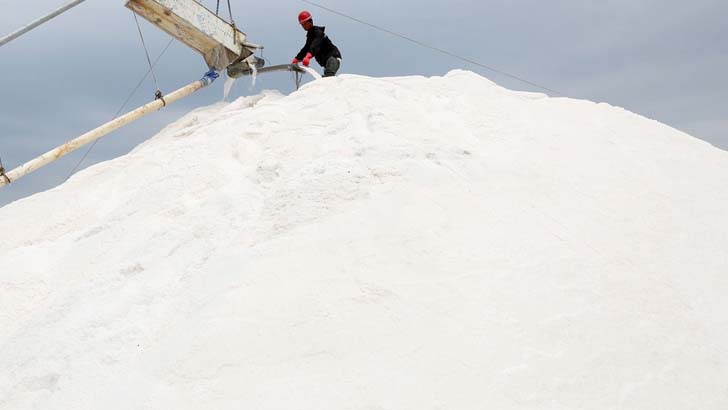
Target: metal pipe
270 69
101 131
12 36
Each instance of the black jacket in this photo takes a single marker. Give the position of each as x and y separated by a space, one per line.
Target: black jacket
319 44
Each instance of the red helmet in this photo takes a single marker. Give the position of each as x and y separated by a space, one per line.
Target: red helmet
303 17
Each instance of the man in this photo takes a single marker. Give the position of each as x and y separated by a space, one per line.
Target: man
318 45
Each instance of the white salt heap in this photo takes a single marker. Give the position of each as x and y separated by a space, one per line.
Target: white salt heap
398 243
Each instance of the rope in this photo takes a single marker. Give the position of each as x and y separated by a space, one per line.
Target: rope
420 43
230 10
146 52
121 108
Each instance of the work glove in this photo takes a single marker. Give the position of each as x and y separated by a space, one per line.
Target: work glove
307 59
295 61
210 77
212 74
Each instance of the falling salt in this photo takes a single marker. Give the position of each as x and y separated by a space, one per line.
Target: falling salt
254 74
229 82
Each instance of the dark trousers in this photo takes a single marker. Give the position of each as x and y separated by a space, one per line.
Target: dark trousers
332 66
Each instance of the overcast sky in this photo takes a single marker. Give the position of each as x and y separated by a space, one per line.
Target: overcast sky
665 59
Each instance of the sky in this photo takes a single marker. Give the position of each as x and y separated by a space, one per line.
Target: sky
663 59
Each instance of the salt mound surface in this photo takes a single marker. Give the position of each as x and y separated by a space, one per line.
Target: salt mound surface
396 243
